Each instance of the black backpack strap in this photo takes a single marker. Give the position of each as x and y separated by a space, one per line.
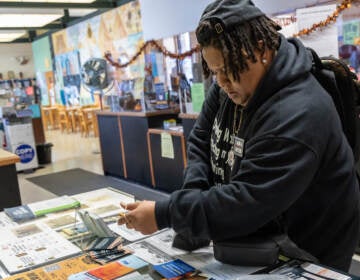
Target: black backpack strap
316 61
290 249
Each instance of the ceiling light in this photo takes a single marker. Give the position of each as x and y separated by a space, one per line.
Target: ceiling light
8 36
12 17
81 12
18 20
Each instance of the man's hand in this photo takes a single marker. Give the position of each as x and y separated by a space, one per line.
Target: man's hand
140 216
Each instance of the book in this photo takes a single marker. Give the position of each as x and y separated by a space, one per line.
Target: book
37 209
111 270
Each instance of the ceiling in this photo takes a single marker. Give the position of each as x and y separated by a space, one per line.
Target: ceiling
64 13
59 13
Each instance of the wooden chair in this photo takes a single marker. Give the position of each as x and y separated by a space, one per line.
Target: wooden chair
86 123
64 120
45 115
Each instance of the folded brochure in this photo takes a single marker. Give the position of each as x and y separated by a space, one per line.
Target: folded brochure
41 208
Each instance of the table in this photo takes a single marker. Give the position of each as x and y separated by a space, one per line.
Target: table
154 249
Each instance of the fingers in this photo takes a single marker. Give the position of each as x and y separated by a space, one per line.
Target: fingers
129 206
125 219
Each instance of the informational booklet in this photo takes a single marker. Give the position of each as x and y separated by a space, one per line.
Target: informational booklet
57 271
33 210
112 270
174 268
297 270
104 202
31 245
129 234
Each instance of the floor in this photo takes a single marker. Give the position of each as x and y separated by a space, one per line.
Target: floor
75 151
69 151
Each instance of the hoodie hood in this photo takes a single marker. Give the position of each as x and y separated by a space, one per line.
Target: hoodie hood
291 62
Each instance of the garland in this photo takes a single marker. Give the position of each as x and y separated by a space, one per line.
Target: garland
345 4
155 44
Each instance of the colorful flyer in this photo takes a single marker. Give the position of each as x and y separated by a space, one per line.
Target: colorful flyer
173 268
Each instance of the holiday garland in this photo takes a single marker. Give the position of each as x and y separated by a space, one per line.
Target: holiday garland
155 44
345 4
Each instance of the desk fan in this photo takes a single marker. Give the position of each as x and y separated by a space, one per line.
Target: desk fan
95 78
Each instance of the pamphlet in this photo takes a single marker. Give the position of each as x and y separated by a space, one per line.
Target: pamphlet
33 210
111 270
174 268
296 269
31 245
57 271
104 202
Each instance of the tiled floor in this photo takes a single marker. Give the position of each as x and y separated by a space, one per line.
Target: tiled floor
69 151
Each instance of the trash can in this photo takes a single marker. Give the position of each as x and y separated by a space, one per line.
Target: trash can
44 153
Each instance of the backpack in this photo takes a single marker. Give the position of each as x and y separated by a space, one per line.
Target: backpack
344 88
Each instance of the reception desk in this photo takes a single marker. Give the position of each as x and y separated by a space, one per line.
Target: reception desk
10 194
188 121
123 142
166 171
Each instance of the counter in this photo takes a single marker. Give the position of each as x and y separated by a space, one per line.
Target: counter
10 194
123 142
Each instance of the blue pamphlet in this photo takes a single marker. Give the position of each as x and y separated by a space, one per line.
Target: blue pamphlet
20 213
173 268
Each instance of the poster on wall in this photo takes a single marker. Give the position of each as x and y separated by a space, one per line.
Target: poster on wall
68 70
325 40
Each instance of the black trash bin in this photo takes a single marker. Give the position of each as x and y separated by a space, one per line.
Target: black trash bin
44 153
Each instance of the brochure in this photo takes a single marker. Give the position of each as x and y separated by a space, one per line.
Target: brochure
32 245
37 209
112 270
57 271
296 270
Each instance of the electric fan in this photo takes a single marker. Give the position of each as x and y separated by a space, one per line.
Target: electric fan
95 78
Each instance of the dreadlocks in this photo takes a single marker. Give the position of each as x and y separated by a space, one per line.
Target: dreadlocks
238 45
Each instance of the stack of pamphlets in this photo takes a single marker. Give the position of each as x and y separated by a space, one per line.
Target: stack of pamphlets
31 211
106 249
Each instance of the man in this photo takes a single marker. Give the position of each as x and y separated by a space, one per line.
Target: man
269 157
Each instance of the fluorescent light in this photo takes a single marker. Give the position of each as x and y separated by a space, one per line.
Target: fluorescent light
8 36
24 20
81 12
13 17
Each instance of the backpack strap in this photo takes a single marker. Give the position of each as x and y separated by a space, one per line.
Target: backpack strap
316 61
291 250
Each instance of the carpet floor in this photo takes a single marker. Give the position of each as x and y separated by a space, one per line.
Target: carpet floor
77 180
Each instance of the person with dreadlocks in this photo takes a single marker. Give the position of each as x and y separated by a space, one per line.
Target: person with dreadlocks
267 152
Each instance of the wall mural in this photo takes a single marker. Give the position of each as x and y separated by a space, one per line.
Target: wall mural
117 31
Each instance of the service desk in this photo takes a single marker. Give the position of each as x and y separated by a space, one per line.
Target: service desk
123 142
188 121
167 168
10 194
